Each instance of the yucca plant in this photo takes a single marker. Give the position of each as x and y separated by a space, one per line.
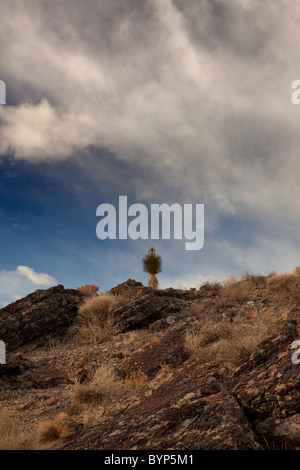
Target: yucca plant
152 264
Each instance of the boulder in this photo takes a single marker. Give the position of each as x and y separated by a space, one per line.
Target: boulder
39 316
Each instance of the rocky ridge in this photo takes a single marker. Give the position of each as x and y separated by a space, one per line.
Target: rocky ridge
185 401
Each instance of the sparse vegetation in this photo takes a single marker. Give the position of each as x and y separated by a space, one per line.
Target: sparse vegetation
61 427
11 435
285 287
92 324
136 378
218 325
88 289
102 388
224 343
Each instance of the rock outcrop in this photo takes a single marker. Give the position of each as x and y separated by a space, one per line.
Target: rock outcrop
186 401
39 316
191 410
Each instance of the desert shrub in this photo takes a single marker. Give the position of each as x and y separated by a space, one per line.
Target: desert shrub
88 289
235 292
61 427
243 342
136 378
210 288
93 323
286 287
98 307
210 332
254 280
225 343
11 436
229 281
296 270
103 387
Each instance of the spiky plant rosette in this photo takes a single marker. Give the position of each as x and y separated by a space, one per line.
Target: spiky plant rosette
152 263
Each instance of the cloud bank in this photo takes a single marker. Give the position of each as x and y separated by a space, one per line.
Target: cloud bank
198 91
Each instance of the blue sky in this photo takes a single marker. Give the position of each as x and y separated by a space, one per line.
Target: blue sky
163 101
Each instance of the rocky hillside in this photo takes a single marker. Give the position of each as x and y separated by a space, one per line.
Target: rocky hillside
155 369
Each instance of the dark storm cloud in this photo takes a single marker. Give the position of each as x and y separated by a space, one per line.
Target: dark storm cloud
198 91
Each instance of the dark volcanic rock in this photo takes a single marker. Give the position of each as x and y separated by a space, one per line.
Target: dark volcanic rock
191 404
268 387
168 350
280 433
192 410
131 289
268 383
38 316
144 311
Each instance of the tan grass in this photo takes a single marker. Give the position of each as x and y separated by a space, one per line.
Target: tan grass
136 379
11 435
61 427
93 323
101 389
243 342
225 344
235 292
210 332
229 281
285 288
98 307
297 270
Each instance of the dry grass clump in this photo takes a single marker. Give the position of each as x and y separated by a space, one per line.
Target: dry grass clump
211 288
229 281
102 388
11 436
243 342
61 427
136 378
98 307
224 343
93 323
297 270
210 332
286 287
235 291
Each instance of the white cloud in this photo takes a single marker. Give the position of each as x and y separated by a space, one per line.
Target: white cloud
37 278
20 282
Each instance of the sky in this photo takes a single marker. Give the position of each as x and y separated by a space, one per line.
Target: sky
164 101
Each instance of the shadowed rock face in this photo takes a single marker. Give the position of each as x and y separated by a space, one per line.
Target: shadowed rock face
192 410
38 316
193 406
268 386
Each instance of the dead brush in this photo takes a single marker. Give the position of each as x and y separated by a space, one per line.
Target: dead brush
11 435
93 323
209 333
102 388
61 427
136 378
234 291
224 344
285 288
